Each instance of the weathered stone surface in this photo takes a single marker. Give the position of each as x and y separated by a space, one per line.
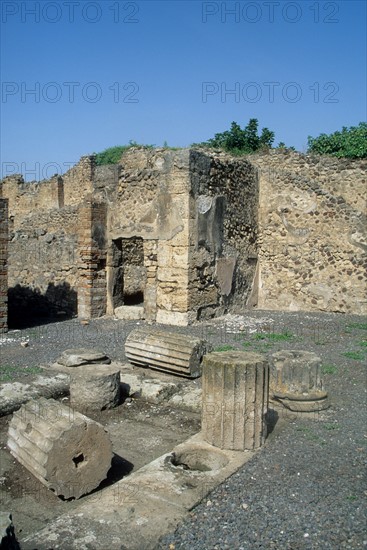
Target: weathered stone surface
235 400
13 395
94 388
8 539
3 263
295 380
168 351
129 313
68 452
202 234
80 356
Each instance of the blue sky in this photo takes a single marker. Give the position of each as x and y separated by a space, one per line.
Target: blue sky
104 73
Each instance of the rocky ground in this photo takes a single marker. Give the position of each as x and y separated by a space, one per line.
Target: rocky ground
307 487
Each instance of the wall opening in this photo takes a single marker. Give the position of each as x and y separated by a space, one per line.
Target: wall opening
129 273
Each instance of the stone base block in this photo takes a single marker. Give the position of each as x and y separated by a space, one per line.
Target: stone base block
295 381
129 313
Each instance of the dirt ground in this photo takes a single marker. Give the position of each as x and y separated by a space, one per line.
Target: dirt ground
140 431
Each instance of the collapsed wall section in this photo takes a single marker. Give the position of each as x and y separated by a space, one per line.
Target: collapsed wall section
223 257
26 197
312 237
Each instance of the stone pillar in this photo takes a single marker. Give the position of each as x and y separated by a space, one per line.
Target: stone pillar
68 452
92 286
94 388
3 265
235 400
295 381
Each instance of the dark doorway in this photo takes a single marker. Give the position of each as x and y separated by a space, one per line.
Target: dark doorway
129 273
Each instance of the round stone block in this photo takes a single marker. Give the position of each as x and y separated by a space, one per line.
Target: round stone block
68 452
295 381
94 388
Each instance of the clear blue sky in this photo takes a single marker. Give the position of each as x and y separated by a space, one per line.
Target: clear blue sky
104 73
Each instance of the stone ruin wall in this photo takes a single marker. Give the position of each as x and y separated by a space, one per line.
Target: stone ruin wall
45 232
43 269
312 237
183 230
3 264
151 205
223 260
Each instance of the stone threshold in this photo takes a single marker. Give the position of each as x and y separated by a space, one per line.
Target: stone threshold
135 512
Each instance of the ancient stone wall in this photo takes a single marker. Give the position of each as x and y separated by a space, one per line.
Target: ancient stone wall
26 197
223 258
3 265
43 271
189 234
151 205
78 181
312 238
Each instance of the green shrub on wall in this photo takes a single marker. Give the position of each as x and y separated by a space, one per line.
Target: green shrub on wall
240 141
350 142
112 155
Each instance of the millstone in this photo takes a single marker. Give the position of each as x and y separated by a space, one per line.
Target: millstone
166 351
68 452
94 388
81 356
295 381
235 400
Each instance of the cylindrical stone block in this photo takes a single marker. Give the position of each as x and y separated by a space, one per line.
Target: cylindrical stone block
295 381
166 351
94 388
235 400
68 452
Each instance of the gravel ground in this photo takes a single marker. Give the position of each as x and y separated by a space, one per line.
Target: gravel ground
307 487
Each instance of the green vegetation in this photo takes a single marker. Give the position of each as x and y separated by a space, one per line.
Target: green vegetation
329 369
112 155
356 355
241 141
225 347
328 426
362 326
8 373
309 434
350 142
263 341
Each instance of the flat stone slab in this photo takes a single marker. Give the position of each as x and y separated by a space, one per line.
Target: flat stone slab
136 511
81 356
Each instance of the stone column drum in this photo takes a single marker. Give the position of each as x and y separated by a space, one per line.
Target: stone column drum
94 388
295 381
166 351
235 400
68 452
